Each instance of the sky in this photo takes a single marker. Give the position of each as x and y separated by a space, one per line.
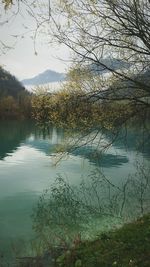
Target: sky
21 60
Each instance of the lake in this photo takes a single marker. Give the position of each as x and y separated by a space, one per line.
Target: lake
27 167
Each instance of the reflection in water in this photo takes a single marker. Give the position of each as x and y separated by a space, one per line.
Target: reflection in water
64 211
12 133
98 158
134 139
26 170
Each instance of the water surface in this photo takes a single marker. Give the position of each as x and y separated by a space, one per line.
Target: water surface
27 168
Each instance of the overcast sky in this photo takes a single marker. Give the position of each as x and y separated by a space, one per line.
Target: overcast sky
21 61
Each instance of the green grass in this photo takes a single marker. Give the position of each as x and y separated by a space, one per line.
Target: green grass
128 246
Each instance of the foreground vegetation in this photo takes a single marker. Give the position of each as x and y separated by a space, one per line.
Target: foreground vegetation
86 105
127 246
124 247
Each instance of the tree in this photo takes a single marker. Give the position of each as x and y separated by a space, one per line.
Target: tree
15 100
104 35
96 30
100 29
7 3
8 107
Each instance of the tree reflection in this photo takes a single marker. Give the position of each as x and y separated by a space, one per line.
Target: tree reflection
12 133
96 157
65 212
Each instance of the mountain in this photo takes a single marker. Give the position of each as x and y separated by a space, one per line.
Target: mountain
15 100
135 87
9 85
47 76
112 63
50 76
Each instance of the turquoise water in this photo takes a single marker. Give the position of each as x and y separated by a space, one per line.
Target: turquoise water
27 167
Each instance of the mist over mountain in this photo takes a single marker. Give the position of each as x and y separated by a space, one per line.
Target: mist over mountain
48 76
108 63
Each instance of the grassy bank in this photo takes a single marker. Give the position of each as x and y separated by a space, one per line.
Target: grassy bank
128 246
124 247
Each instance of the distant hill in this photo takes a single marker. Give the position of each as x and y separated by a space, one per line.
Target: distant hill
50 76
127 88
9 85
112 63
47 76
15 100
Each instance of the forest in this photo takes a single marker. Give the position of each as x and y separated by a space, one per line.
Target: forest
15 100
90 141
